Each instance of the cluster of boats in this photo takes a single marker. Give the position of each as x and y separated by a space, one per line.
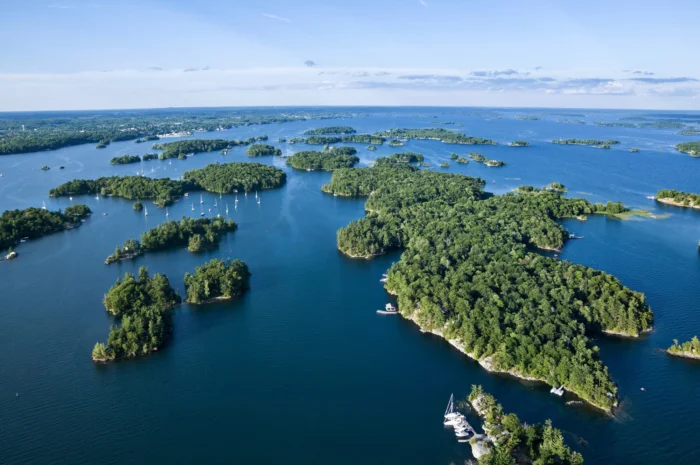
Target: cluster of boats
458 421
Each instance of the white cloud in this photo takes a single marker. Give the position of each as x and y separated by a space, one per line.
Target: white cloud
277 18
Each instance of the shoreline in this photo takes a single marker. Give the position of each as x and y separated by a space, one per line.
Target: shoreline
485 362
670 201
684 355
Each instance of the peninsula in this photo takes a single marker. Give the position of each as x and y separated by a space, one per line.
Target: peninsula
691 148
678 198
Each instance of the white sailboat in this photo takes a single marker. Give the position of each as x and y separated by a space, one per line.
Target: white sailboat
227 209
192 206
166 212
452 418
145 211
256 194
215 203
220 195
97 197
70 198
43 205
201 200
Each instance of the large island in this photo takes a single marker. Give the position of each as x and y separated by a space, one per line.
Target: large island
469 275
33 223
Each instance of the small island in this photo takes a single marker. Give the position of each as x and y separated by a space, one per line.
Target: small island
33 223
462 160
144 305
519 143
163 191
217 280
45 168
454 156
195 234
138 206
149 156
479 158
259 150
332 159
371 148
508 441
634 150
395 143
125 159
691 148
330 130
282 140
591 142
444 164
439 134
528 118
406 157
234 177
689 349
678 198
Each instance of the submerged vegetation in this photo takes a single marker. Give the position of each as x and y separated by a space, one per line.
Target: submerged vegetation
33 223
217 280
341 157
469 275
510 441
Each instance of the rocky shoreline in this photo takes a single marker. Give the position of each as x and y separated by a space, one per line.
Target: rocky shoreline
684 355
670 201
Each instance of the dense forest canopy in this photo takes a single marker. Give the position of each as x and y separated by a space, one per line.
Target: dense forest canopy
33 223
196 234
341 157
47 131
144 307
469 272
163 191
230 177
259 150
217 279
125 159
330 130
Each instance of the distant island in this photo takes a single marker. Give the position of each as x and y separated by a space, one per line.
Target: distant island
691 148
125 159
435 217
183 148
330 130
615 124
149 156
146 319
341 157
444 164
508 441
51 133
528 117
439 134
195 234
519 143
395 143
45 168
404 157
593 142
479 158
259 150
689 132
217 280
634 150
454 156
33 223
371 148
219 178
678 198
690 349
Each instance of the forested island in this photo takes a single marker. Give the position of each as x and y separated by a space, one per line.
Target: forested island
678 198
403 157
479 158
234 177
444 164
219 178
689 349
528 118
125 160
340 157
259 150
634 150
691 148
195 234
508 441
439 134
144 305
149 156
182 148
330 130
163 191
593 142
33 133
371 148
395 143
33 223
217 280
469 275
519 143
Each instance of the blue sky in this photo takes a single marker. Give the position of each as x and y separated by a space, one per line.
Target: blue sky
65 54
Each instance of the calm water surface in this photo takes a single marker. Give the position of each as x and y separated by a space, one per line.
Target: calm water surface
302 370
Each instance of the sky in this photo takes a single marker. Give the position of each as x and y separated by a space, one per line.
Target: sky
99 54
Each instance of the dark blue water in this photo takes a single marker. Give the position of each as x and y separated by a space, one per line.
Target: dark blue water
302 370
